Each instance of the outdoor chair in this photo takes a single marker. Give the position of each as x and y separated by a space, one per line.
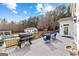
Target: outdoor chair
46 37
53 35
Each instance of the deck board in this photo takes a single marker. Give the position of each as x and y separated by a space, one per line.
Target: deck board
40 48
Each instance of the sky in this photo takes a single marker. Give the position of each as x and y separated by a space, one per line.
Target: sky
20 11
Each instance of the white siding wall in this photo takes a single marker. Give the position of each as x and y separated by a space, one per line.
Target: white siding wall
77 24
73 9
70 27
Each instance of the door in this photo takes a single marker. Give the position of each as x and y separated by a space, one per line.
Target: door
66 29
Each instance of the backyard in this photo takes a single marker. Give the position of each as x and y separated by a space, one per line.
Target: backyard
47 27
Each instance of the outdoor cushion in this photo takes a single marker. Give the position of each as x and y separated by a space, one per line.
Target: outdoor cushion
46 37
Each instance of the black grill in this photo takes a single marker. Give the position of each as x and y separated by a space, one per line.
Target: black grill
24 37
1 42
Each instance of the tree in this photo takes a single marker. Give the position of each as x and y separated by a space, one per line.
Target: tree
47 21
32 21
68 13
3 21
23 23
41 22
60 12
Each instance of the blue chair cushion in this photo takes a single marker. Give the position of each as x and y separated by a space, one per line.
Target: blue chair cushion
46 37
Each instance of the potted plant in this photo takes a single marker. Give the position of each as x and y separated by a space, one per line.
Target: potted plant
72 50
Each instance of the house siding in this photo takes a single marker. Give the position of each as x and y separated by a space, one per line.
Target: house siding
70 27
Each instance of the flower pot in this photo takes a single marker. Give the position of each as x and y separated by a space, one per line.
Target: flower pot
71 51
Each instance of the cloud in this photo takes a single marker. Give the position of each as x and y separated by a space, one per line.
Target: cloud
18 16
39 7
25 12
42 8
49 8
14 11
27 17
11 6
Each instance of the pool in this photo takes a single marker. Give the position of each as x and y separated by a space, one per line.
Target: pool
9 41
6 37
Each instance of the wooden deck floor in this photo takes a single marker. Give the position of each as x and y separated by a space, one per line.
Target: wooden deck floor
40 48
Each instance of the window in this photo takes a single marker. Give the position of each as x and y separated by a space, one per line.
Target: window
66 29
